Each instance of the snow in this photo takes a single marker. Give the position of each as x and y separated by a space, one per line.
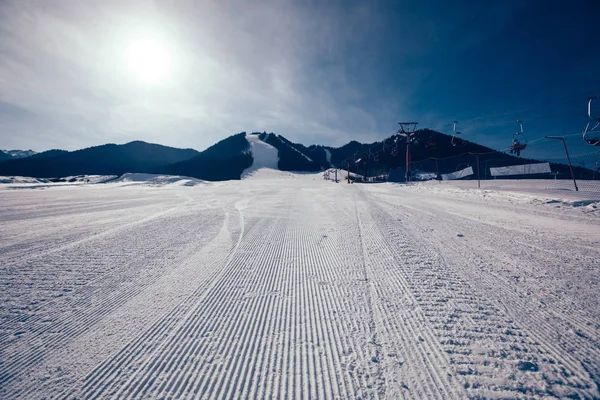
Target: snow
128 179
89 178
561 189
12 182
270 174
21 179
19 153
156 180
264 156
328 157
286 285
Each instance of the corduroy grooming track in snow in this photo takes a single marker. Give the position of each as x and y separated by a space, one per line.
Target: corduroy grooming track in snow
287 286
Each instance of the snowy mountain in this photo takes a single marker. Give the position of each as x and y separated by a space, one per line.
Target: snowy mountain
241 155
14 154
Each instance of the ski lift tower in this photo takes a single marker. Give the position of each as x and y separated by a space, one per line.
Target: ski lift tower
408 129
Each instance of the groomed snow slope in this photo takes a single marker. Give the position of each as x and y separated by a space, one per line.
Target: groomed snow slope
263 154
296 288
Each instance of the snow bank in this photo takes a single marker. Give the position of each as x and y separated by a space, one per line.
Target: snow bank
263 154
25 182
90 178
156 180
22 179
275 174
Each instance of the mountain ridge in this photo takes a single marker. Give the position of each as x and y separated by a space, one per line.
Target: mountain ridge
106 159
225 160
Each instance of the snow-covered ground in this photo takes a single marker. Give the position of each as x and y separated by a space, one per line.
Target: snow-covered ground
69 180
156 180
286 285
544 188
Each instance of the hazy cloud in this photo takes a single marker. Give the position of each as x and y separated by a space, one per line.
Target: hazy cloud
236 66
316 72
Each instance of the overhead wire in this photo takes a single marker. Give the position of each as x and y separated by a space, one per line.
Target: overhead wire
573 98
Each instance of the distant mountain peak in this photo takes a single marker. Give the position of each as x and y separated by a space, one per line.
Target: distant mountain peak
14 154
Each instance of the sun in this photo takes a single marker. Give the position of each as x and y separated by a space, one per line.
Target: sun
148 58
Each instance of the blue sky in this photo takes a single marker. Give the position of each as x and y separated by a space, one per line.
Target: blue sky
314 71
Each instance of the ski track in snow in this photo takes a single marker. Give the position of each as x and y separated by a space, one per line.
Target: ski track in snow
288 286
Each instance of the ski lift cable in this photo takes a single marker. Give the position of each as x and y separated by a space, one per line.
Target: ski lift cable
369 151
575 156
511 121
574 98
525 119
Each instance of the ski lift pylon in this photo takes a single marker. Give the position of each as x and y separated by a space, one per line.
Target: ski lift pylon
592 135
408 130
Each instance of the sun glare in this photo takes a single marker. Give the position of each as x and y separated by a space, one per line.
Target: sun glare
148 59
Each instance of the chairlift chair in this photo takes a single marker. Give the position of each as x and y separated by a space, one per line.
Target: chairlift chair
456 141
592 135
518 145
